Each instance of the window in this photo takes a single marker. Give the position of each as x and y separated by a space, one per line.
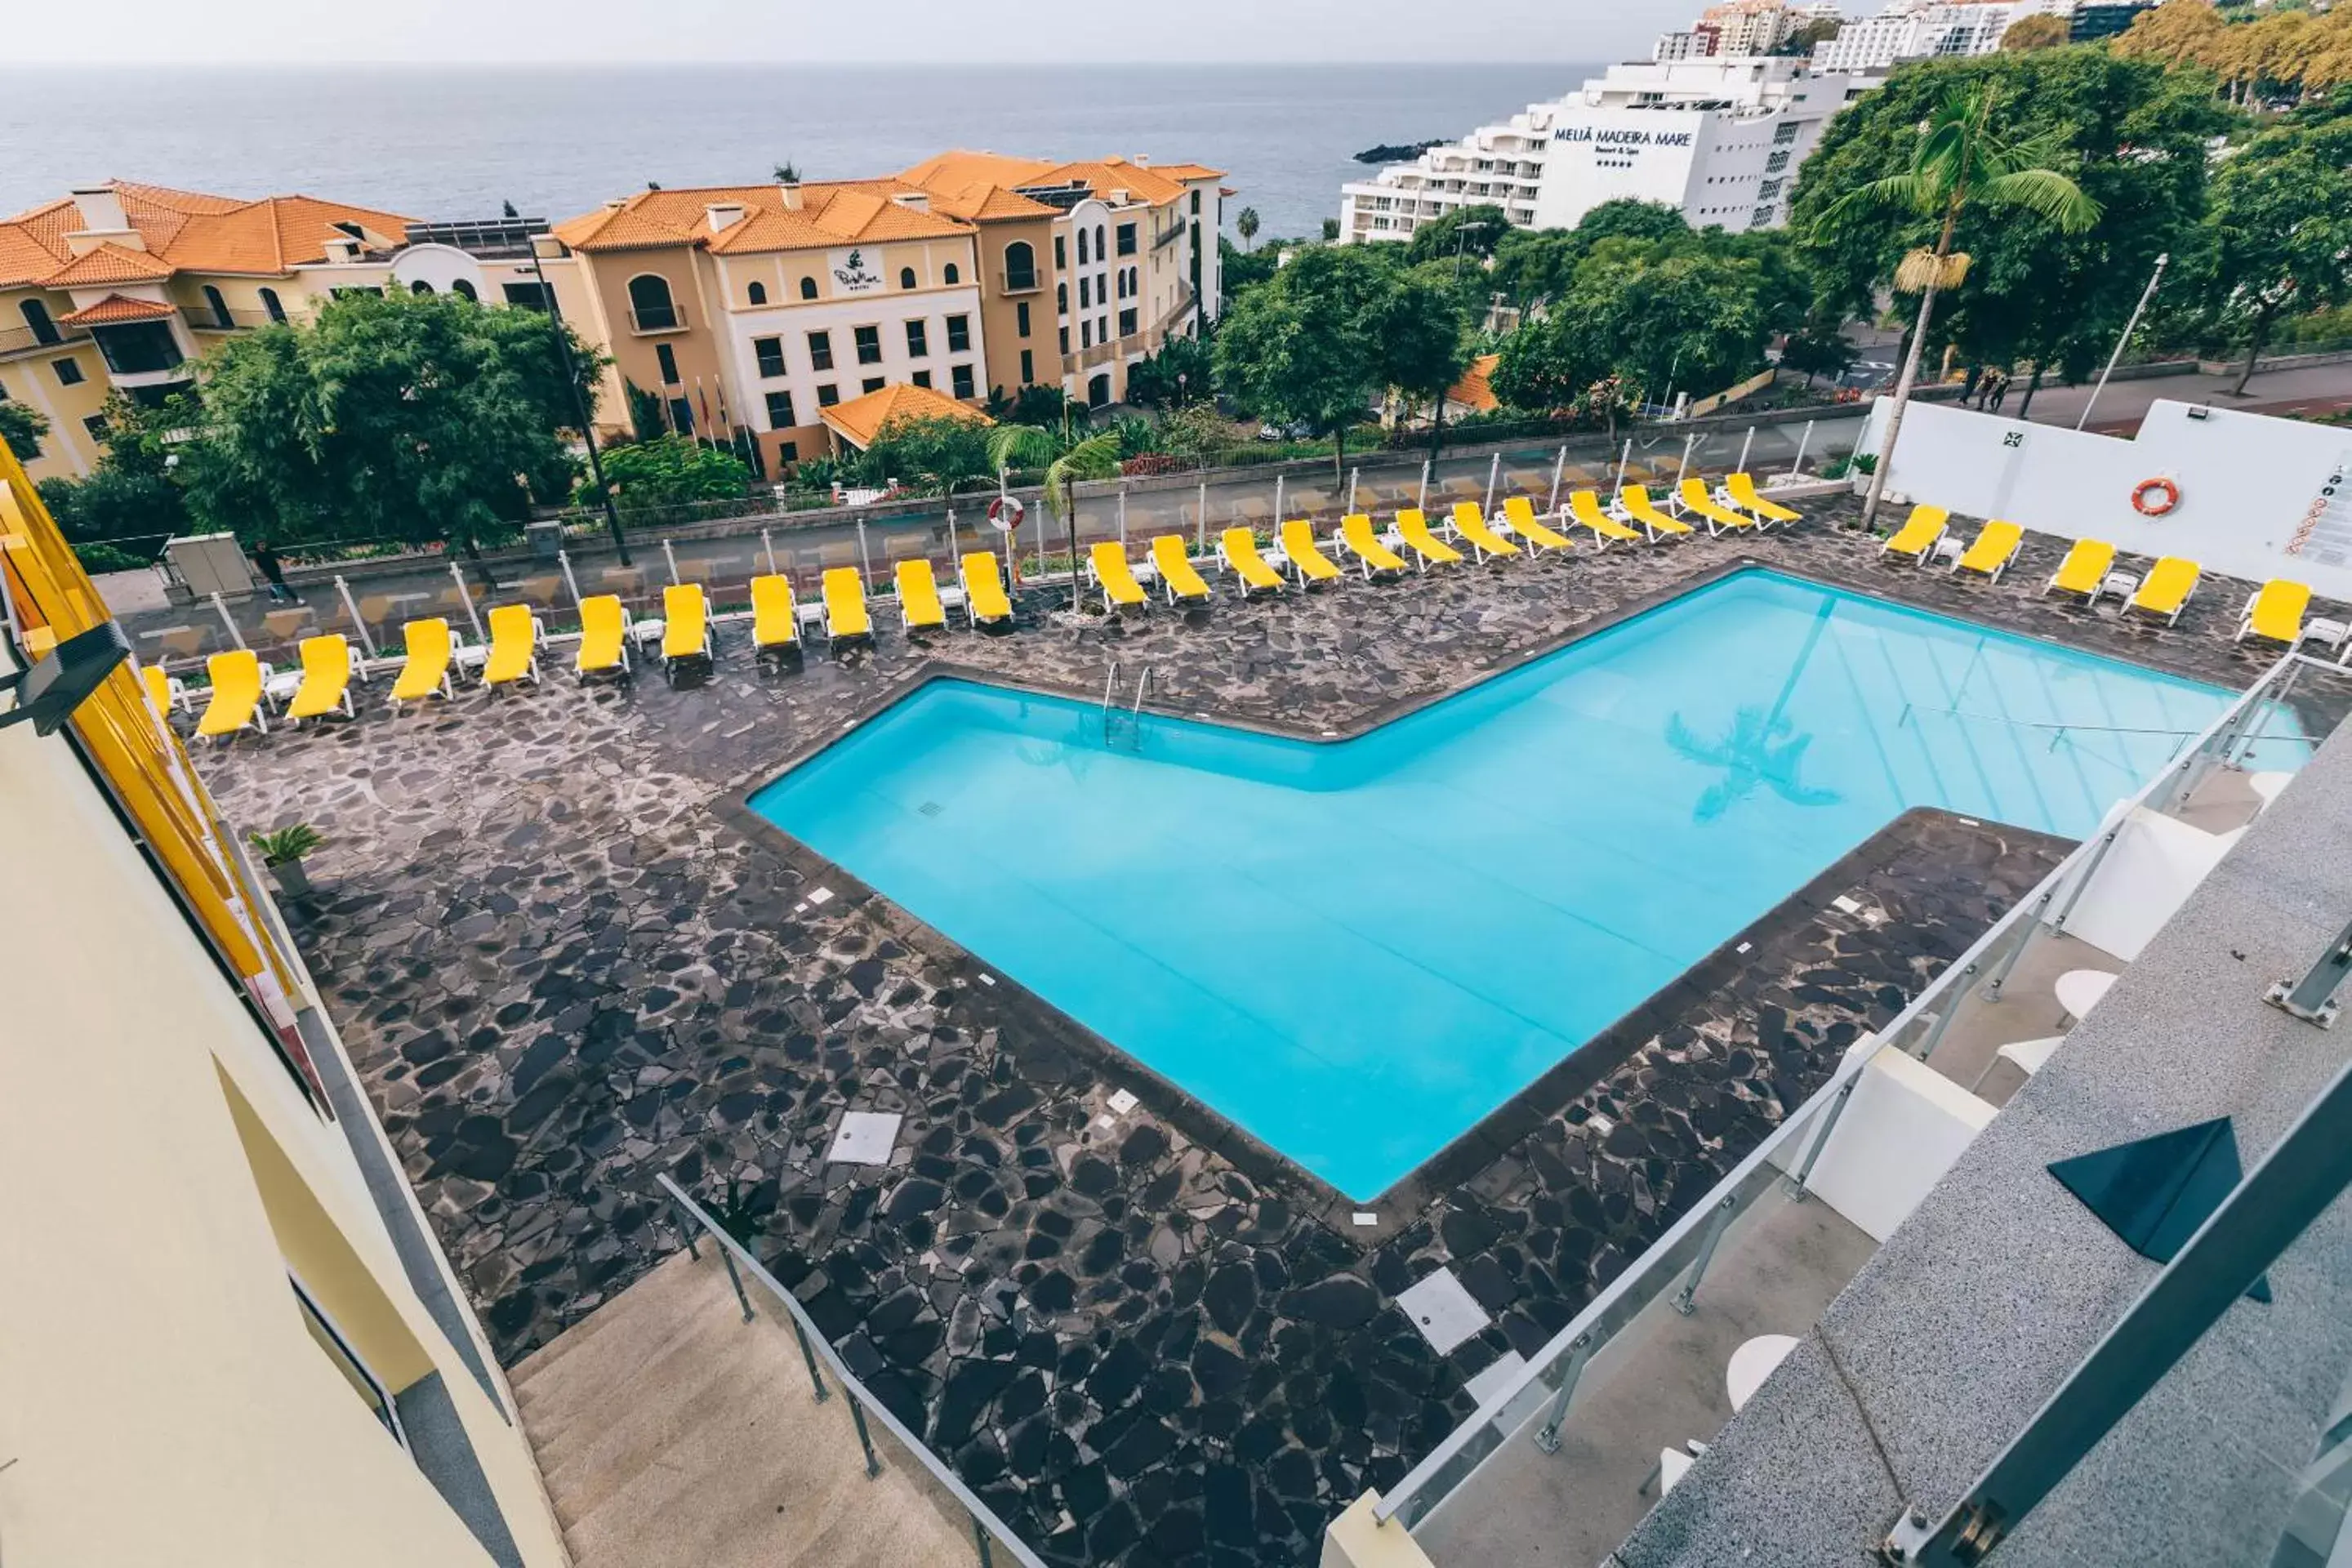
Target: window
950 274
530 296
138 348
1784 134
1086 293
96 424
1020 266
1085 335
1021 319
827 396
960 333
756 292
37 316
922 378
1196 204
420 287
869 344
221 318
668 363
1028 366
808 288
1061 298
821 351
769 353
70 372
875 383
1102 329
788 452
1102 245
464 290
1066 340
278 312
650 309
1061 253
961 382
780 411
1126 323
906 278
1126 240
918 339
364 1382
681 415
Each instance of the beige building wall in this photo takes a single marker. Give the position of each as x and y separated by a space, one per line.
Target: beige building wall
1000 311
29 376
162 1396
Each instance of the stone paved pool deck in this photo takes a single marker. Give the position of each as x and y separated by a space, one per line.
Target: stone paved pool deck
562 964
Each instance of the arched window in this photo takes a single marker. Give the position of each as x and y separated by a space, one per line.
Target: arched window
219 307
650 310
37 316
1020 266
951 275
269 302
757 293
1062 298
906 278
1082 248
420 287
808 288
459 286
1102 246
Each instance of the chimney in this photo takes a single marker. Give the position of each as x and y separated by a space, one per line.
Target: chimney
1117 198
616 204
913 201
723 216
342 247
791 191
101 207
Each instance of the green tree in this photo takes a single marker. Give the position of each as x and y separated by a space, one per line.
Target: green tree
1242 270
648 421
1331 229
1246 225
1539 367
1965 156
1473 231
1069 457
936 455
647 477
1181 371
2043 31
1304 346
120 514
1424 340
22 428
2282 240
1623 217
1805 35
1818 351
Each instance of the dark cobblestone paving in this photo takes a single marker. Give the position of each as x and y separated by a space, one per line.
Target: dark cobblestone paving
560 969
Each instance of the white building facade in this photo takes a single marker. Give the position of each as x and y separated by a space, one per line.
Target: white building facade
1927 29
1719 139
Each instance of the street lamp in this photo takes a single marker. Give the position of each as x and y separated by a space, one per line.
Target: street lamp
579 402
2131 326
1461 234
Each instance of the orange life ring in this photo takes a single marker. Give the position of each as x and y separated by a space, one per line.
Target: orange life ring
2154 498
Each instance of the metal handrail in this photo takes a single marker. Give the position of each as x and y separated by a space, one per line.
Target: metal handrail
985 1524
2079 864
1909 708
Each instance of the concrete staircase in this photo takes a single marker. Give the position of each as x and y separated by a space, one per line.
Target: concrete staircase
672 1433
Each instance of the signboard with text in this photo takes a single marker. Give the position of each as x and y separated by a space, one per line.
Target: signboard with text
858 271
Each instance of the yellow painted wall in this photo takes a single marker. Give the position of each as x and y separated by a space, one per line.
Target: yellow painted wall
1000 315
160 1394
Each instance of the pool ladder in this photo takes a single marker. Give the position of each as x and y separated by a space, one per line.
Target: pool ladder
1111 709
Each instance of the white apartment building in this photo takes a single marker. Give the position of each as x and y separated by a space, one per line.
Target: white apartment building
1923 30
1721 139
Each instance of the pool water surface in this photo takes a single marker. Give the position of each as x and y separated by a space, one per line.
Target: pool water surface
1357 950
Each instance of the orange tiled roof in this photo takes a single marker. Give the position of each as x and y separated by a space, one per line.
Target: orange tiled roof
959 174
987 204
188 231
109 263
119 308
1189 171
1473 391
835 212
861 419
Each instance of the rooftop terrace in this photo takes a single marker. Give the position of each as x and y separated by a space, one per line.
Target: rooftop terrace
566 960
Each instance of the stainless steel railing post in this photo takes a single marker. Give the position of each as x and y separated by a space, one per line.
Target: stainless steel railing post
735 1280
1706 1245
1799 1193
864 1439
1580 1351
809 1355
980 1539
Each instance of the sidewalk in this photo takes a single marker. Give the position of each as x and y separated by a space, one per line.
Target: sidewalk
2320 388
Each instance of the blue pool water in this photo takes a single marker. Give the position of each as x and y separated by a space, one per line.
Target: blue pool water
1357 950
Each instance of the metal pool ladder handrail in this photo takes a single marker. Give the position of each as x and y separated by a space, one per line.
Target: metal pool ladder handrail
814 1347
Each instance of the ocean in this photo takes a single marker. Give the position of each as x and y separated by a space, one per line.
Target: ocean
453 142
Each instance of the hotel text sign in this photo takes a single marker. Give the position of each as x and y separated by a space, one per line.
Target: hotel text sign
1612 138
852 272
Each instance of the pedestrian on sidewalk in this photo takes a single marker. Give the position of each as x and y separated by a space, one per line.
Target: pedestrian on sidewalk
274 570
1997 393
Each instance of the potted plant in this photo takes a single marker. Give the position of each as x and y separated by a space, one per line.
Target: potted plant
282 851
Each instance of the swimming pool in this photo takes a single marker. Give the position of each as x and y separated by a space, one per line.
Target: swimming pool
1356 950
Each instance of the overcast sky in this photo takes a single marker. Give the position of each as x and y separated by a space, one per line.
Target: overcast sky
174 32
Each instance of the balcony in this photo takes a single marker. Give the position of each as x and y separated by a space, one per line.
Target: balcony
654 320
21 340
1018 282
206 320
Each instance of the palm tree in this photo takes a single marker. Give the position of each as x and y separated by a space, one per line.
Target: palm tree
1245 223
1962 157
1067 459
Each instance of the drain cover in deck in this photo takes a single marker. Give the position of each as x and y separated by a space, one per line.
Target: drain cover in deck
1445 1312
865 1138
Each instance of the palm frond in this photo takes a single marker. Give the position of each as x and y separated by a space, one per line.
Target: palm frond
1922 269
1018 446
1912 190
2046 194
1096 458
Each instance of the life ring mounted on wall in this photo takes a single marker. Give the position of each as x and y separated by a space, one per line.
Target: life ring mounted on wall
2154 498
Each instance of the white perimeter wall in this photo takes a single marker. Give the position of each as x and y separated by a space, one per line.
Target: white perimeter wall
2260 497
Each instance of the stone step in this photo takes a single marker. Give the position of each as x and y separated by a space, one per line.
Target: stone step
663 1281
648 1407
640 1328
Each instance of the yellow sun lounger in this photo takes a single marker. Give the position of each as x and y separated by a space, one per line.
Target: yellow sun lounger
603 637
163 693
514 647
237 676
846 615
1470 523
984 598
1107 565
1427 548
1638 505
1585 507
1917 536
2166 589
920 609
1237 547
1693 495
1519 516
1356 533
431 650
1995 547
1739 489
329 662
2084 570
1307 557
686 627
1179 578
775 616
2274 612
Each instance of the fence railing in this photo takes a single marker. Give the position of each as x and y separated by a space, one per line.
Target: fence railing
1676 1262
990 1534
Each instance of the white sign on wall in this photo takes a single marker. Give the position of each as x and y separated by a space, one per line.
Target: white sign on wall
855 271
